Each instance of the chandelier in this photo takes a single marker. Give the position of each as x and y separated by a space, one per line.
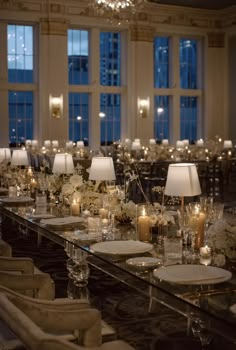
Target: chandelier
116 6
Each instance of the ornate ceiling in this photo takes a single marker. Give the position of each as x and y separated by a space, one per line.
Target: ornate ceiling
203 4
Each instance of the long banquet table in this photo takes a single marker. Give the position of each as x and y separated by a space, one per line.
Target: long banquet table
209 301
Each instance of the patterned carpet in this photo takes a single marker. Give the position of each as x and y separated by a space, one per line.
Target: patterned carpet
122 307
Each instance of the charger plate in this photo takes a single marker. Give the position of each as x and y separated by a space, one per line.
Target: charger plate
192 274
129 247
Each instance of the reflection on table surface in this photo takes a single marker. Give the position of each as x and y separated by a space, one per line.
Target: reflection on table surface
137 263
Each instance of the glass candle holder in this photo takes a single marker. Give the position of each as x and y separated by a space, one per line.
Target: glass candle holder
197 220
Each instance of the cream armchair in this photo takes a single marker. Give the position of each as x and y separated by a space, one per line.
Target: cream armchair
20 274
45 325
5 248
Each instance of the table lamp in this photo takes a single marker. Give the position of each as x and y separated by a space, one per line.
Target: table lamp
182 181
102 169
63 164
19 158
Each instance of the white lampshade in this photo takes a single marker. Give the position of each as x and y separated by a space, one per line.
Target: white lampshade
165 142
47 143
152 141
34 143
102 169
28 142
179 144
19 158
186 142
127 142
63 164
80 144
182 180
5 154
136 146
69 144
55 143
228 144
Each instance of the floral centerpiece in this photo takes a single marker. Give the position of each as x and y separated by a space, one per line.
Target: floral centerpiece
125 213
221 237
160 217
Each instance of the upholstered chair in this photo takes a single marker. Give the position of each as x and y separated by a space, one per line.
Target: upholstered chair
5 248
20 274
46 325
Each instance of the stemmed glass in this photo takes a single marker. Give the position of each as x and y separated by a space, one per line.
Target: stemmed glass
183 221
200 329
76 264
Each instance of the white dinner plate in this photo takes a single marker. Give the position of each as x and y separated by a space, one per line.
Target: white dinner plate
16 199
121 247
192 274
67 220
42 216
144 262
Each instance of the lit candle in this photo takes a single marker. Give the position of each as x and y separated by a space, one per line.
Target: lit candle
200 230
104 222
144 227
103 213
30 171
75 208
205 251
33 183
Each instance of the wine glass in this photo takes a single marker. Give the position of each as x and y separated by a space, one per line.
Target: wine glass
200 329
183 221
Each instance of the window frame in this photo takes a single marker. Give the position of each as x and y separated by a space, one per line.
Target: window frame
175 92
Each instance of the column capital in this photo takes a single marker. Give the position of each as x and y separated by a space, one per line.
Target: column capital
216 39
142 33
55 26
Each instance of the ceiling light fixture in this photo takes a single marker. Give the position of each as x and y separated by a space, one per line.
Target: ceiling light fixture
116 6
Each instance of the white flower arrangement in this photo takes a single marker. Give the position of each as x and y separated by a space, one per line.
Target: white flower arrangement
221 236
163 219
125 212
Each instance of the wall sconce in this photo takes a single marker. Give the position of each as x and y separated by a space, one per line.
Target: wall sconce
56 106
143 107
